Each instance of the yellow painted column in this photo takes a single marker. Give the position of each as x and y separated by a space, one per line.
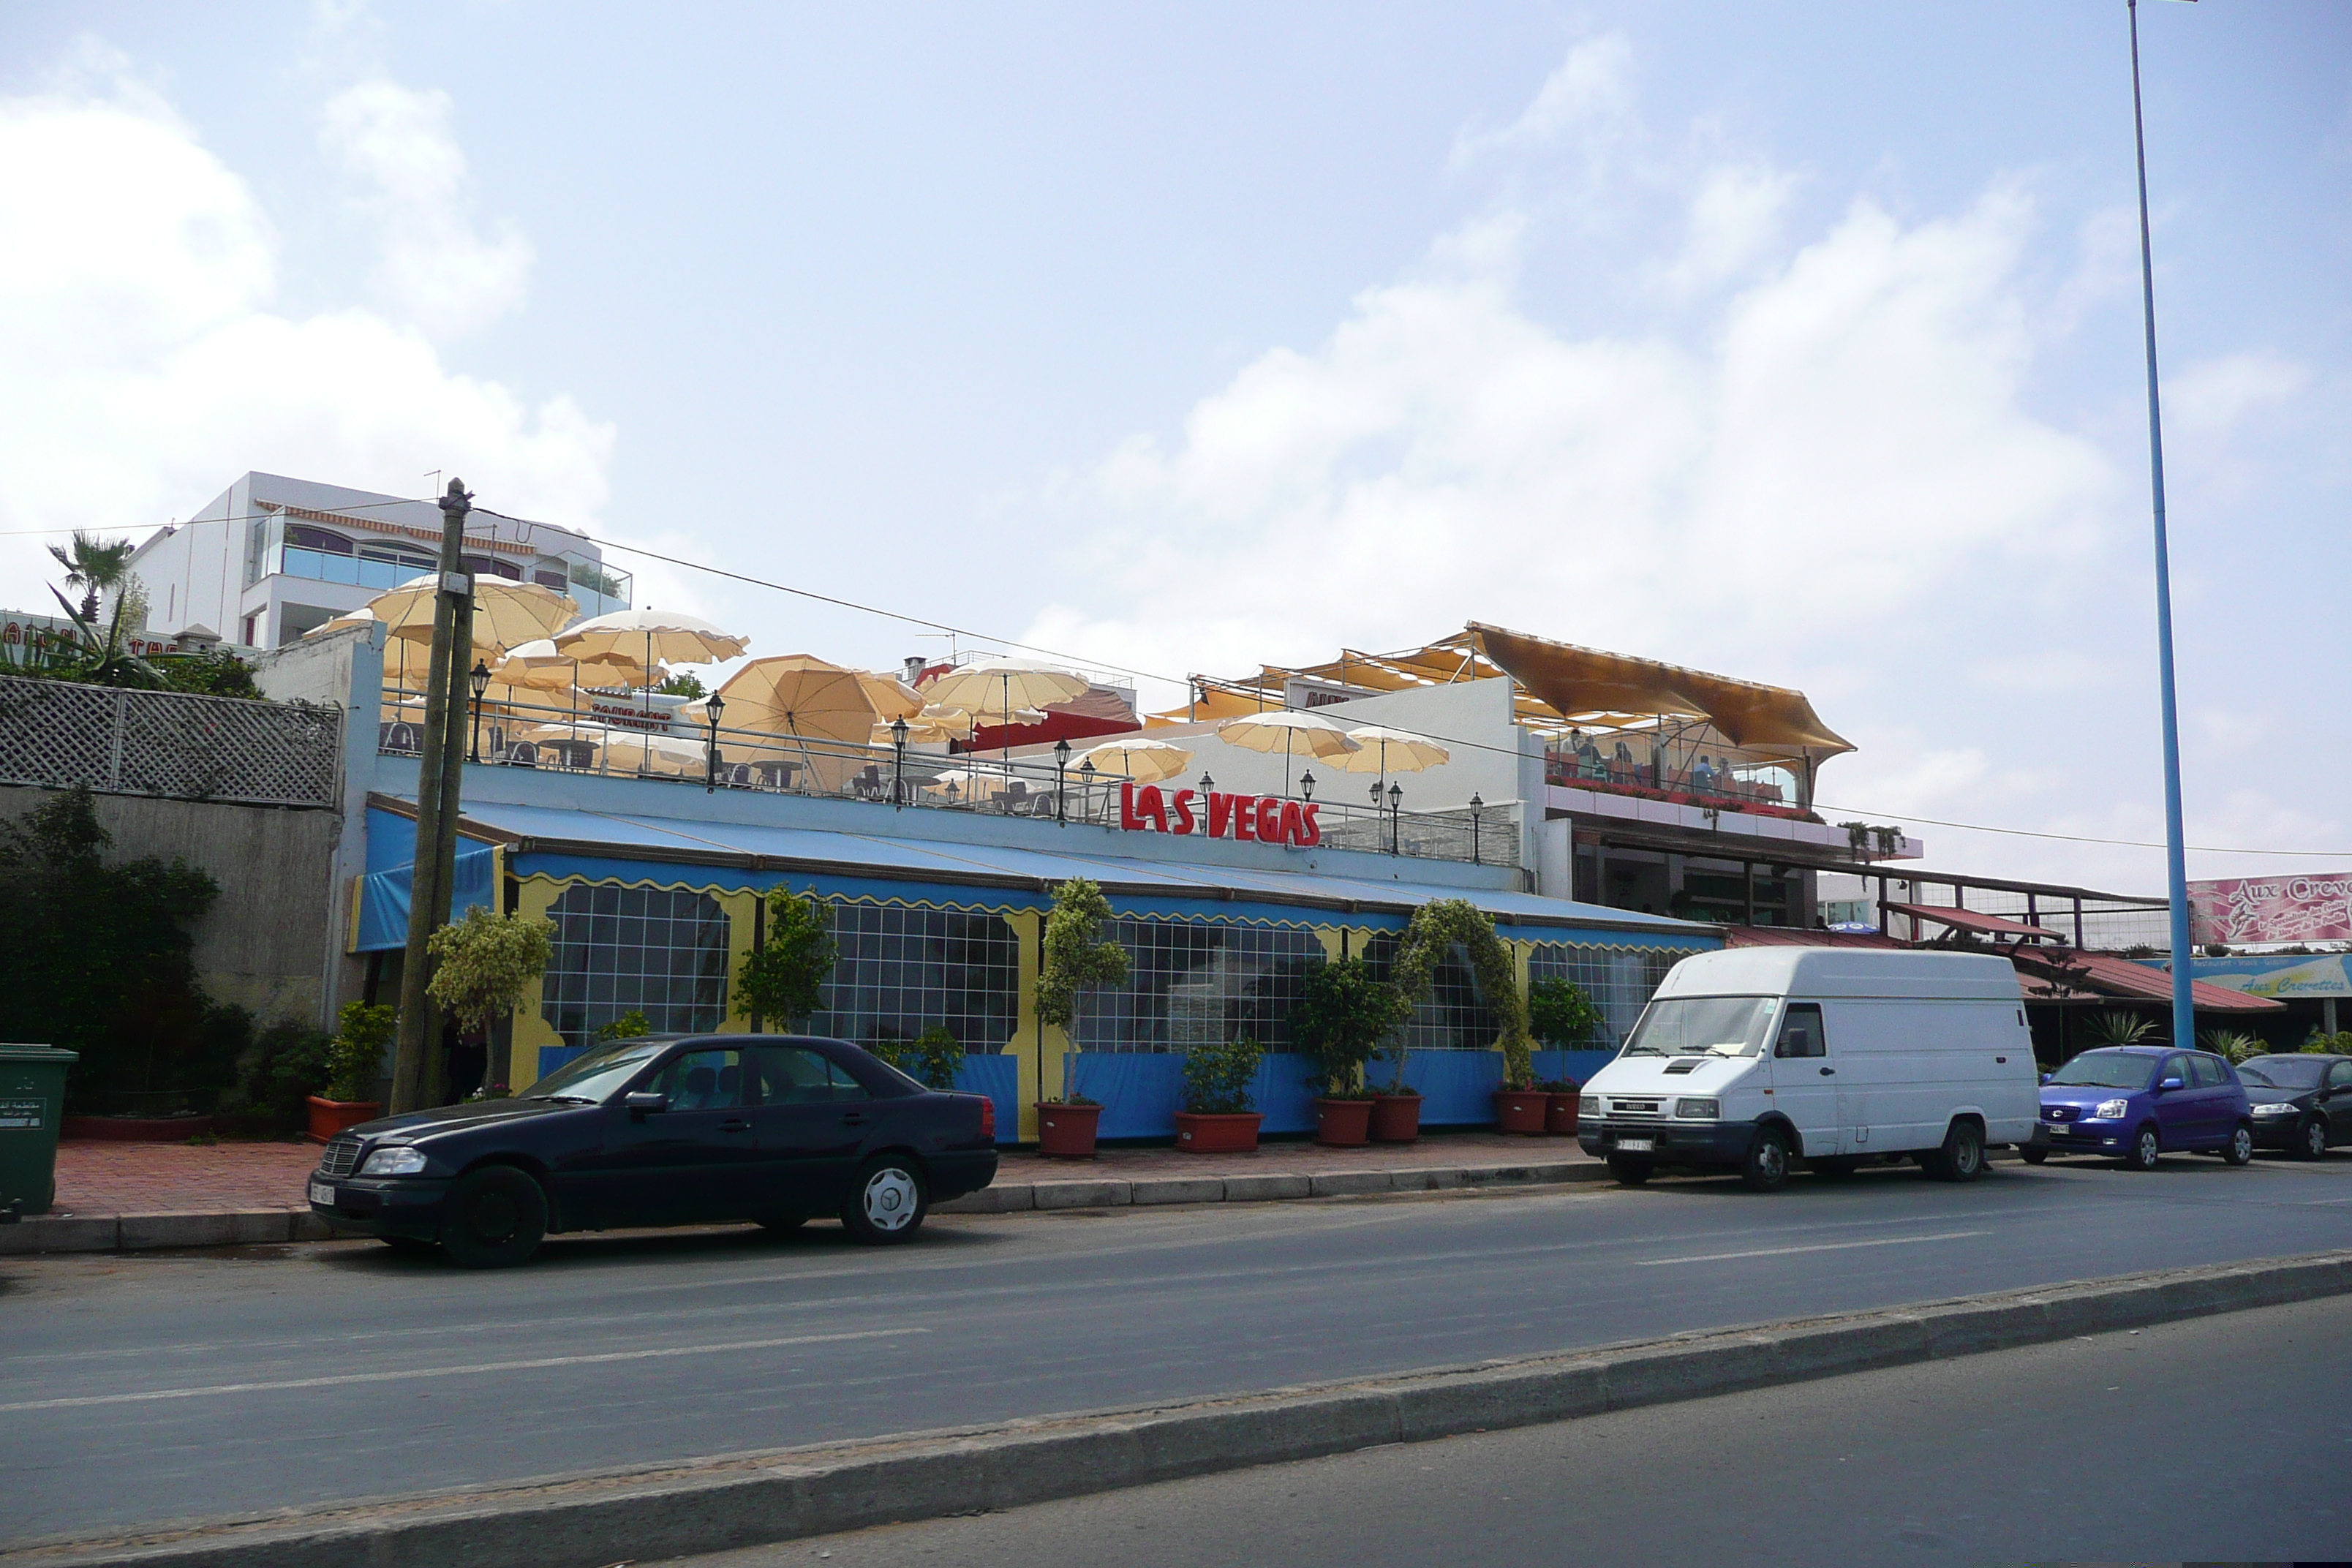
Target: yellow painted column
535 896
742 908
1027 1045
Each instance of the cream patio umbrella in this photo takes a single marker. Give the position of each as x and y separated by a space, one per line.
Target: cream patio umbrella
999 688
931 726
1292 734
892 698
651 636
808 699
1144 761
540 666
631 751
1384 752
505 614
971 783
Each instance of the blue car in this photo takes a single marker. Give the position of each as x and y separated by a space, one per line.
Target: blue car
2137 1103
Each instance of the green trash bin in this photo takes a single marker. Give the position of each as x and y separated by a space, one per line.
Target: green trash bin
32 1103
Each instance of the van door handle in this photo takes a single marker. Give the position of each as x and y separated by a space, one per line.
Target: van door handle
2002 1061
1827 1072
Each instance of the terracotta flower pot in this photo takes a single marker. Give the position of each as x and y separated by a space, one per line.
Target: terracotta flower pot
329 1117
1521 1110
1343 1123
1203 1132
1067 1132
1396 1118
1560 1116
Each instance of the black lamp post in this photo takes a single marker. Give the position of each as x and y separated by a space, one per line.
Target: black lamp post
1061 786
898 760
480 680
1306 784
1477 810
1086 788
1396 819
712 707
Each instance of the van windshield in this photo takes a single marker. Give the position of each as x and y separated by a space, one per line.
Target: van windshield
1701 1026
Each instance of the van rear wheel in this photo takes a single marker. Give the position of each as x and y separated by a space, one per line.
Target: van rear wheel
1962 1157
1626 1170
1767 1165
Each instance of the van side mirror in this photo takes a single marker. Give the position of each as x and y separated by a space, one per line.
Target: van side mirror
642 1105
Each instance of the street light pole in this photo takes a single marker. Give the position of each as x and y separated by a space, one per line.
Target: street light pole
2176 855
712 707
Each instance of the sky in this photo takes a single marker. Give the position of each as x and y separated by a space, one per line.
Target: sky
1801 344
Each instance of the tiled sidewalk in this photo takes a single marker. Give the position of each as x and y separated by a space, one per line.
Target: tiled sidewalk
176 1194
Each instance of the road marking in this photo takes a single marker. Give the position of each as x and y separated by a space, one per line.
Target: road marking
1785 1251
341 1380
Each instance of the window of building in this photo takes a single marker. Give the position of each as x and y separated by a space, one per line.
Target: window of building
303 536
555 580
661 951
901 971
1193 982
491 566
1455 1016
1620 980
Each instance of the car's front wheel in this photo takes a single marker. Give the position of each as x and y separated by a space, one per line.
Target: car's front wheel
2310 1141
886 1203
2240 1149
2145 1148
497 1216
1767 1165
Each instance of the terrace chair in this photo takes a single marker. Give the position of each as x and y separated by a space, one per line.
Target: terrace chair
521 754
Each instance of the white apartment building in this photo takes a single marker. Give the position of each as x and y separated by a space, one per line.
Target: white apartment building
272 557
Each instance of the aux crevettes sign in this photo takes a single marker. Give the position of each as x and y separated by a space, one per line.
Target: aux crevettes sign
1265 818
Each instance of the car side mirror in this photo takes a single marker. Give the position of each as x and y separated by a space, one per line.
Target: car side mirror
2168 1086
642 1105
2048 1076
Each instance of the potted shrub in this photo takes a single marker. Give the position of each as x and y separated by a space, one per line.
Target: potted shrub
1562 1016
354 1060
1342 1014
783 978
1445 923
483 967
1217 1118
1075 957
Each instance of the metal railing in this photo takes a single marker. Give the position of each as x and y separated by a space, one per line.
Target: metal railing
653 746
61 733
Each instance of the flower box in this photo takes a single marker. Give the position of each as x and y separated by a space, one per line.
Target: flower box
1521 1110
1201 1132
1343 1123
329 1117
1066 1132
1396 1119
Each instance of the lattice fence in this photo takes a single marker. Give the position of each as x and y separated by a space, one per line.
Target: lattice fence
61 733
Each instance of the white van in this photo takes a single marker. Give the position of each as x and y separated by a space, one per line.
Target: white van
1751 1057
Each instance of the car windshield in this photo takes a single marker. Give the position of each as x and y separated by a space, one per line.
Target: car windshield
1701 1025
596 1075
2105 1070
2284 1072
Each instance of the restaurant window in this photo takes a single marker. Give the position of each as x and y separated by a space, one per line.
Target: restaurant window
661 951
1197 981
1455 1016
1620 980
899 971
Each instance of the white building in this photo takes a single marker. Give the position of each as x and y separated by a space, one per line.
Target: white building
273 557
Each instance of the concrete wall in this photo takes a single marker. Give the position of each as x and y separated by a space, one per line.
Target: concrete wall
265 944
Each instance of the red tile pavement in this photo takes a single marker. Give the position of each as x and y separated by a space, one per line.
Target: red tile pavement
97 1178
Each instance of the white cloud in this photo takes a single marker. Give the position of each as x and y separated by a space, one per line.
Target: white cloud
2210 396
1734 220
436 270
1587 99
143 365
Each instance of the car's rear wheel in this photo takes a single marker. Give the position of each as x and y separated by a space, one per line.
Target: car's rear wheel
2240 1149
2145 1146
1626 1170
497 1216
1961 1159
2310 1141
2033 1153
1767 1165
886 1203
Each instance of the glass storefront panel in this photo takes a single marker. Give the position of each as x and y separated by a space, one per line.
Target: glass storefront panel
1193 982
901 971
661 951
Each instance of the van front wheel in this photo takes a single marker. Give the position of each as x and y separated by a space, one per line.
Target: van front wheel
1626 1170
1767 1165
1962 1157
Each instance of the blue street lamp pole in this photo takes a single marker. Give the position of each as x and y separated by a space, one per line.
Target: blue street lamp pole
2175 857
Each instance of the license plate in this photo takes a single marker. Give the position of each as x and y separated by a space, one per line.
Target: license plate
1636 1145
322 1193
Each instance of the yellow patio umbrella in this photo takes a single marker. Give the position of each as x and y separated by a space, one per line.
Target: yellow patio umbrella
1385 751
1292 734
808 699
505 614
650 638
541 665
1144 761
932 726
892 698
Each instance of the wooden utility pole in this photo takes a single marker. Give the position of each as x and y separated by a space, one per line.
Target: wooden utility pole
416 1057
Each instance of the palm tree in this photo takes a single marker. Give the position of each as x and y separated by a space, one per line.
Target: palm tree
96 566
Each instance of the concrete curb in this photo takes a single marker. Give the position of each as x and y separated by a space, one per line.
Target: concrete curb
182 1227
1093 1192
749 1499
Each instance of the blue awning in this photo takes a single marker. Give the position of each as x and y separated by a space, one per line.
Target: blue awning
383 897
570 841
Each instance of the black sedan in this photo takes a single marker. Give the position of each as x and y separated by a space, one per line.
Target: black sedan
2300 1103
663 1130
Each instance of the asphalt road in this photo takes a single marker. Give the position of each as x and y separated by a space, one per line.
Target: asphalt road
143 1387
2220 1438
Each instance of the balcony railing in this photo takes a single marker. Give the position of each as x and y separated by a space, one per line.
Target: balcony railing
1768 790
550 738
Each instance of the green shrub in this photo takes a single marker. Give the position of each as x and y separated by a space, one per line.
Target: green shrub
1444 923
1076 954
630 1026
1341 1016
783 978
484 965
2338 1044
1559 1013
933 1058
2232 1045
288 1062
355 1059
1220 1078
2118 1028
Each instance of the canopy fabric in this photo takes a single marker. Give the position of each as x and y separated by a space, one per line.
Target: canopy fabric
1768 721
